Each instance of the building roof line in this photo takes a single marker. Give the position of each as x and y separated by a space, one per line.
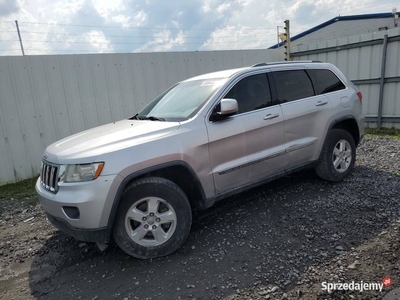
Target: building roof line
336 19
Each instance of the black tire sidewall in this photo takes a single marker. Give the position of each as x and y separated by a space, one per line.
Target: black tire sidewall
166 190
326 170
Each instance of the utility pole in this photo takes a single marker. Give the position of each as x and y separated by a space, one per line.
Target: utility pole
20 40
287 40
277 34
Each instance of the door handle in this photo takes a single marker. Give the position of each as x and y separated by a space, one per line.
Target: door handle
320 103
271 116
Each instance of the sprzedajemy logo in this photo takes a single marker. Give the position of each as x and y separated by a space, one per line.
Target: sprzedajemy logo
356 286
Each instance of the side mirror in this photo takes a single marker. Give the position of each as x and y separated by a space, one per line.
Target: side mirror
228 107
224 109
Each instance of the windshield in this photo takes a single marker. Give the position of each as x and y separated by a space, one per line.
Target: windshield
180 102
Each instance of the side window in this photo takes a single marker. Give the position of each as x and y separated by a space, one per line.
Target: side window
251 93
325 81
292 85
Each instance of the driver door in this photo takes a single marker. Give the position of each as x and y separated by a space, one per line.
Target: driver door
248 146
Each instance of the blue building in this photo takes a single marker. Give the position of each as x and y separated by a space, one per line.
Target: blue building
343 26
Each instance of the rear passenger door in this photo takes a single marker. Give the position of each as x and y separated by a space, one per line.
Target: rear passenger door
305 114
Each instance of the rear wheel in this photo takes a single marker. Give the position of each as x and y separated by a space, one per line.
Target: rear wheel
153 219
337 157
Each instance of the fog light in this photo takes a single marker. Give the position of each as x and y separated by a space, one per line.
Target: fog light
72 212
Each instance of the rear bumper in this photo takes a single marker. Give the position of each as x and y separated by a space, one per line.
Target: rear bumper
101 235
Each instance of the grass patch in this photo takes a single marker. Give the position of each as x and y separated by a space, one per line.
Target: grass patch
386 132
22 191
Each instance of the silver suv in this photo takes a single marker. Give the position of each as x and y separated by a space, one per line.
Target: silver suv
138 180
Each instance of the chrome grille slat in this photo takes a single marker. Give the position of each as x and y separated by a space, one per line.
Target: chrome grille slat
52 178
42 172
48 176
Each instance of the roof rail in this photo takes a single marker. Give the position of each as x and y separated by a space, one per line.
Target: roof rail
285 62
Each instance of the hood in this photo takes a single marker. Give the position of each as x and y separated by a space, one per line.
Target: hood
85 146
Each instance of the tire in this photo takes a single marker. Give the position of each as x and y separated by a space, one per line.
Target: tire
337 157
153 219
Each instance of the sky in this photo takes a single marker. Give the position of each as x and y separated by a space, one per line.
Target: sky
121 26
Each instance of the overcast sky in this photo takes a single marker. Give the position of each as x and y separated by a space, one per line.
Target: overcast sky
99 26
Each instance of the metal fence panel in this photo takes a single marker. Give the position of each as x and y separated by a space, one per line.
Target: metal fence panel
363 62
46 98
393 62
391 107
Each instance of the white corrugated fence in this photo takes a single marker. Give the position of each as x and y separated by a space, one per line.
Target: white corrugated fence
46 98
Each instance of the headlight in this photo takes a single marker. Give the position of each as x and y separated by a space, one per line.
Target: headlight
78 173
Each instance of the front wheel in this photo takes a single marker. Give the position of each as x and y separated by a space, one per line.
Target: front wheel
337 157
153 219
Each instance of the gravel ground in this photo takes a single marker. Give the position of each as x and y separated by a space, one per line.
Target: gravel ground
281 240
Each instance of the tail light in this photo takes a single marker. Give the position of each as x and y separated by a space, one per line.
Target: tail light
360 97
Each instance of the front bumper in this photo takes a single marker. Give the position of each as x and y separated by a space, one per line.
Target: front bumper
100 235
91 198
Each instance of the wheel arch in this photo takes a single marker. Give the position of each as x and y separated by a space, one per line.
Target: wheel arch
179 172
349 124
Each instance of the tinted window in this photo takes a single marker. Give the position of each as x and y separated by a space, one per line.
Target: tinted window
292 85
251 93
325 81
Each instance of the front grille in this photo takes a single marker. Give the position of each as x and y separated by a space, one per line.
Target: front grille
49 177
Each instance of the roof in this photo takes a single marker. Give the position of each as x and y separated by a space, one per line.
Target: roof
225 74
216 75
336 19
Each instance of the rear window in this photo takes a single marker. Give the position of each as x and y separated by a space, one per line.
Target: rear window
292 85
325 81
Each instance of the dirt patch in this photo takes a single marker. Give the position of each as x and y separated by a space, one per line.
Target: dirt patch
371 262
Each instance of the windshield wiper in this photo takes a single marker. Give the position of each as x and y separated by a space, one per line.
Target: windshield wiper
153 118
135 117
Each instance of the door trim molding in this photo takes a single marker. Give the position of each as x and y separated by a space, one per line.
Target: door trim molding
256 161
273 155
